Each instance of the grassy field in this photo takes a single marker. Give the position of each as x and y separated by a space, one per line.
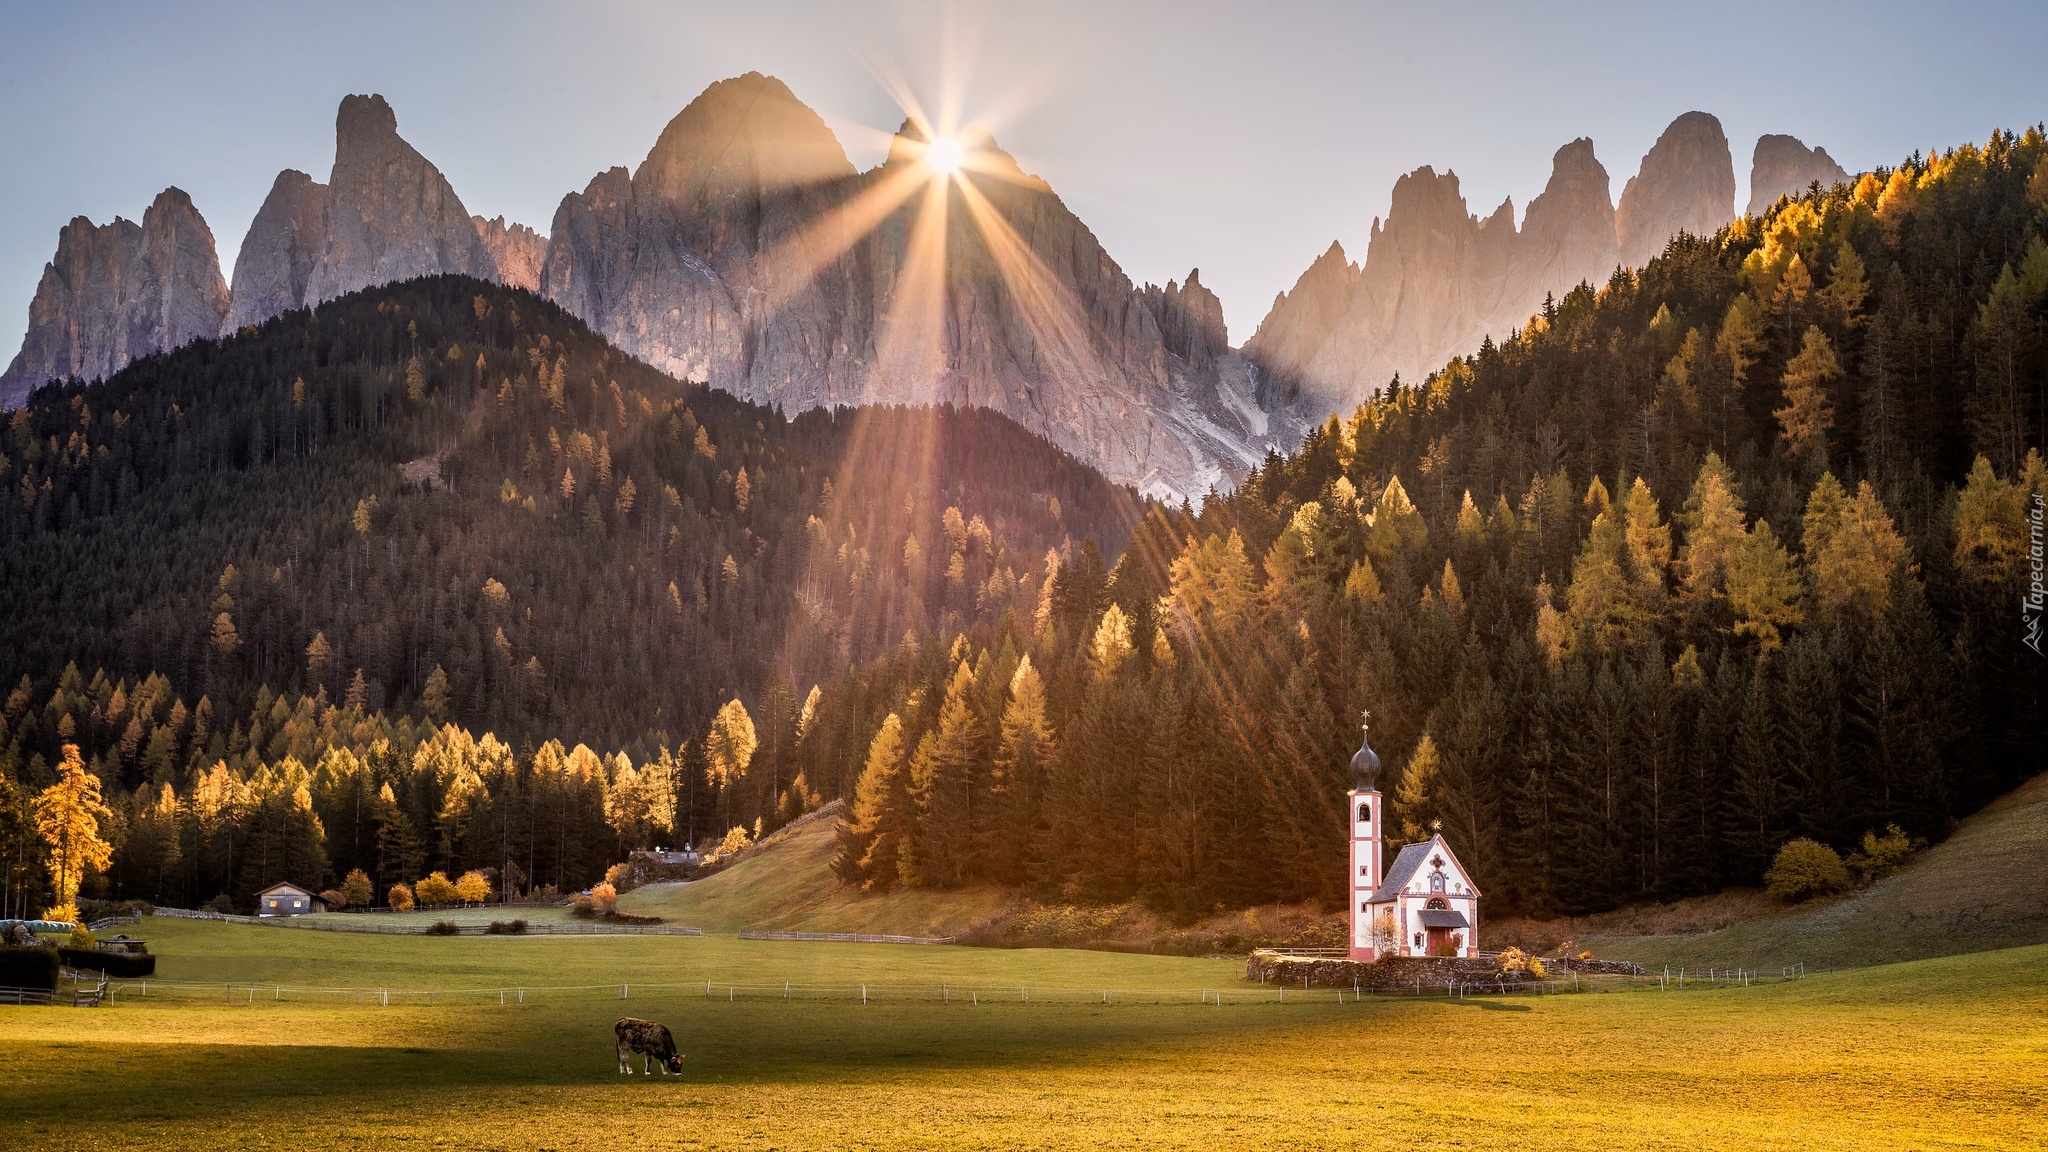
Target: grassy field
543 914
1934 1054
790 887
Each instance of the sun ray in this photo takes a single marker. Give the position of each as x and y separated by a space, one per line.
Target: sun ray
1054 317
798 261
910 352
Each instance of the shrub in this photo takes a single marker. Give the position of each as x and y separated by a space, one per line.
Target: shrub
334 898
735 839
506 928
444 928
605 899
119 965
1515 960
623 877
81 937
89 910
1880 856
28 967
474 887
436 889
357 889
68 913
629 918
1804 869
400 898
222 904
583 908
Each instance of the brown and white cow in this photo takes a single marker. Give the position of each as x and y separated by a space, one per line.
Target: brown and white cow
652 1041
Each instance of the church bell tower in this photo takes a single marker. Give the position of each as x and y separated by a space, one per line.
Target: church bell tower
1364 810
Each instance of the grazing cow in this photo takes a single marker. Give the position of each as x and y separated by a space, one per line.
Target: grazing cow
652 1041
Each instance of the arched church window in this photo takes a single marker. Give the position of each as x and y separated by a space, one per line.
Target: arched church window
1365 813
1418 939
1437 902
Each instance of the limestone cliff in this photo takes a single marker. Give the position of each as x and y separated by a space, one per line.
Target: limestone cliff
1686 184
746 251
516 251
119 292
1436 281
284 242
386 213
391 215
1783 166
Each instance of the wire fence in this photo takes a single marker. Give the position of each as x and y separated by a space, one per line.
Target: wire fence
181 992
846 937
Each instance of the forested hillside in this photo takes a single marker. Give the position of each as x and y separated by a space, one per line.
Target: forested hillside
448 474
1725 551
448 500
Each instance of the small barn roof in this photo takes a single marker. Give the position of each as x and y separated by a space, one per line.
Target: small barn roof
285 887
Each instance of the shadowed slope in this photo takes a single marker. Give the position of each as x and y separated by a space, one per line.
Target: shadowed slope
1982 888
789 887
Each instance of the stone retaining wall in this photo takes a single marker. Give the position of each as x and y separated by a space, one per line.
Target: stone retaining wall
1397 972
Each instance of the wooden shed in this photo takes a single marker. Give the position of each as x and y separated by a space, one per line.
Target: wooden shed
284 900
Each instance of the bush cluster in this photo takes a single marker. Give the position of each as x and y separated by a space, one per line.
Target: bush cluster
444 928
1804 869
506 928
28 967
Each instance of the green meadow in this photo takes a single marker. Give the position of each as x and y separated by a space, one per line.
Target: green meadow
1941 1053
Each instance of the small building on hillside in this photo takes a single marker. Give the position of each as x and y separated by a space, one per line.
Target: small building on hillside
1426 904
286 900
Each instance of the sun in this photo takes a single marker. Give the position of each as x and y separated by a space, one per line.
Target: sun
944 156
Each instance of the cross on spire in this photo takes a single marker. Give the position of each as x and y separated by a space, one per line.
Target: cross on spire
1365 720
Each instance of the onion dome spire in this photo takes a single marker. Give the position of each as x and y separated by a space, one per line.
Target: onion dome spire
1365 763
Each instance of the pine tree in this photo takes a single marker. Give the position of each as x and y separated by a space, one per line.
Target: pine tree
871 838
1023 751
1757 786
949 787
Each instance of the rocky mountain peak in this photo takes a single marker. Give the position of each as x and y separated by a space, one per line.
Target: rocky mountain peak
517 252
750 134
1784 166
1686 184
365 123
177 294
1568 234
1190 320
284 242
117 292
391 215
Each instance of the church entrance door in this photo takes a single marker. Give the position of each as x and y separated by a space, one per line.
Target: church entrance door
1439 938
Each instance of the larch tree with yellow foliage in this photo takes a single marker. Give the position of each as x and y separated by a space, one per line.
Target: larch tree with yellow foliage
68 815
1808 413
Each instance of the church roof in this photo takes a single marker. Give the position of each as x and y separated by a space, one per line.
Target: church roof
1443 918
1405 866
1411 860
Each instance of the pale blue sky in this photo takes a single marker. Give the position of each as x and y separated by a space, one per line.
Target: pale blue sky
1241 138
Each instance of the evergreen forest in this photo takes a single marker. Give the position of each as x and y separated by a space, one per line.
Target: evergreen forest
1732 549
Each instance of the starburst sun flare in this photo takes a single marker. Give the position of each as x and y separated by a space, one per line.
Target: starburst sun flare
945 156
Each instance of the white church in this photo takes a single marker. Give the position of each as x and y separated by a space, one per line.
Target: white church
1426 904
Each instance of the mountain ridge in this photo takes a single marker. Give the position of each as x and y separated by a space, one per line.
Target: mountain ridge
747 251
